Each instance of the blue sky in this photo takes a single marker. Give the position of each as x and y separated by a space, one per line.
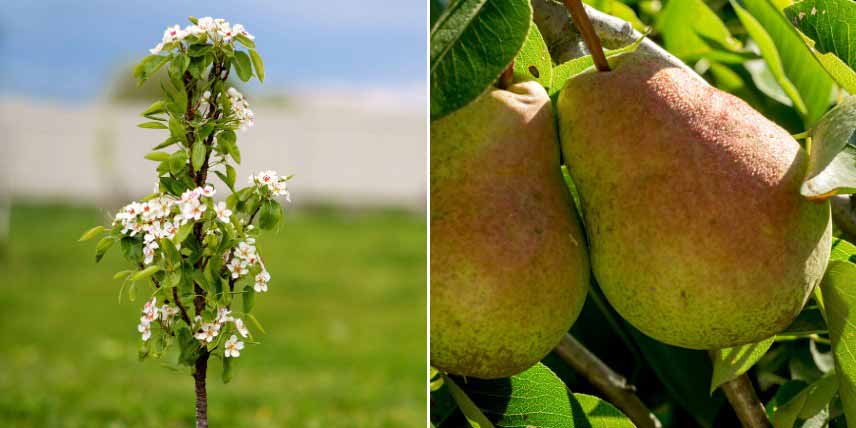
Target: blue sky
71 49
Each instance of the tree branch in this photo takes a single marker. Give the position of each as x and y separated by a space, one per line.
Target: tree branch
199 373
614 386
741 394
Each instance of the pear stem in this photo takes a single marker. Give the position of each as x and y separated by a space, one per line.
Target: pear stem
749 409
614 386
583 24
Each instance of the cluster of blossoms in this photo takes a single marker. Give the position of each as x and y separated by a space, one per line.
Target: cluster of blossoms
208 331
241 109
151 313
215 29
242 258
270 182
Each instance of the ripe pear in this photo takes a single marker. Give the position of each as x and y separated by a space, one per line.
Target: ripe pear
509 266
698 234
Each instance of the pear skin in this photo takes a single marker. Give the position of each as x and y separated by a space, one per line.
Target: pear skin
698 234
509 267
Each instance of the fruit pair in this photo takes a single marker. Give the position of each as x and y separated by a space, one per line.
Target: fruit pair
697 232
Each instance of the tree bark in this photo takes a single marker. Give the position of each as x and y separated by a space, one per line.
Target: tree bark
199 374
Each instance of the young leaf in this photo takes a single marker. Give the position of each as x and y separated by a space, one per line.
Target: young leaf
269 214
533 62
228 139
842 250
177 162
132 249
686 25
258 64
157 156
243 66
197 157
149 66
729 363
157 107
472 42
102 246
245 41
256 323
122 274
227 369
249 299
176 129
152 125
183 232
91 233
832 158
808 402
145 273
840 302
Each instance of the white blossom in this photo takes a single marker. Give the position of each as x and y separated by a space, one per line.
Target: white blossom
262 280
208 191
150 311
207 332
242 329
149 252
238 268
223 213
168 313
224 315
239 29
233 347
241 109
146 330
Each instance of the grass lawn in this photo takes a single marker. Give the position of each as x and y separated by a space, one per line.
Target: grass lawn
345 317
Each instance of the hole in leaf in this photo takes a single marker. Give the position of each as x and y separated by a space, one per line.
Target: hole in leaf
534 71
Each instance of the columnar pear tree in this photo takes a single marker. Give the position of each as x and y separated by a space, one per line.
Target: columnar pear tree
196 260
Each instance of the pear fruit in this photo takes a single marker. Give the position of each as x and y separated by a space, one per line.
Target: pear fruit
698 234
509 266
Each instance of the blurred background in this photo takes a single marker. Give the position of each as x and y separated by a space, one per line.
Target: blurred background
343 108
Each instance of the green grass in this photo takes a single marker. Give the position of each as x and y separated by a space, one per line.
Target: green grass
345 322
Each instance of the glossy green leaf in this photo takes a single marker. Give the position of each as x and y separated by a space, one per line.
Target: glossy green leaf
258 64
176 129
149 66
729 363
243 66
807 403
533 62
244 40
800 66
683 24
837 288
157 107
832 157
177 162
842 250
537 397
228 140
471 44
91 233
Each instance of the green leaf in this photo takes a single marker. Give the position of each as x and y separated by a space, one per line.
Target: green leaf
132 249
157 107
176 129
122 274
157 156
537 397
177 162
245 41
533 62
842 250
102 246
269 214
243 66
152 125
256 323
809 321
183 232
91 233
800 66
840 301
808 402
228 139
149 66
197 157
729 363
145 273
258 64
471 44
227 369
830 23
682 25
249 299
773 61
831 166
